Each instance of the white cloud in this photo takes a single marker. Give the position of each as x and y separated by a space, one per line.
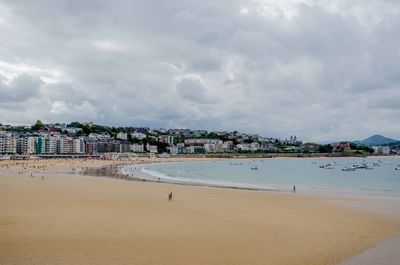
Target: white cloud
69 110
11 69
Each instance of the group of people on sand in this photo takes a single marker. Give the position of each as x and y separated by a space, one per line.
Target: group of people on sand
33 176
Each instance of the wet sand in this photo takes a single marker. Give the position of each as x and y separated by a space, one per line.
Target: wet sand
385 253
72 219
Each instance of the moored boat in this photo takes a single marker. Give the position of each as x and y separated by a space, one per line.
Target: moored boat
349 169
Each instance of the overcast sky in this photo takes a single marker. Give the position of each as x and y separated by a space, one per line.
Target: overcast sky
321 70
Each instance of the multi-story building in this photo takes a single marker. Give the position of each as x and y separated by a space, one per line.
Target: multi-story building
227 146
8 143
193 149
72 130
267 147
26 145
202 141
166 139
219 148
102 147
49 145
180 132
214 148
60 145
122 136
91 148
39 145
67 145
177 149
137 148
151 148
78 146
254 146
173 150
209 148
112 146
243 147
124 147
138 135
99 136
381 150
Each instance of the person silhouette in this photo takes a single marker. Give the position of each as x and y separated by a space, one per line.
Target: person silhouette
294 189
170 196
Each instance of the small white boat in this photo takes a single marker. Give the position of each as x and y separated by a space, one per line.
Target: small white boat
254 168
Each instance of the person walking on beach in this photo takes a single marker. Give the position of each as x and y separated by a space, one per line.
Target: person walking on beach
170 196
294 189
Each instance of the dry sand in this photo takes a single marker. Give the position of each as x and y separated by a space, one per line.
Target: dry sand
67 219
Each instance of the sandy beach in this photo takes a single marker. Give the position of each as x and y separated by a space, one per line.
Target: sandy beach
66 218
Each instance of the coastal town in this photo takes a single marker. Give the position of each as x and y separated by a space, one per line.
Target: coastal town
89 139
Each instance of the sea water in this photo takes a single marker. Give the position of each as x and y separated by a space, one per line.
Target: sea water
381 177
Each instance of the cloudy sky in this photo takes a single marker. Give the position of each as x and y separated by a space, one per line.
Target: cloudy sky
323 70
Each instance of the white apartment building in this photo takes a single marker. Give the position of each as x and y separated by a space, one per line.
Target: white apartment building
137 148
49 145
78 146
173 150
210 148
243 147
227 146
151 148
8 143
202 141
99 136
72 130
122 136
254 146
138 135
381 150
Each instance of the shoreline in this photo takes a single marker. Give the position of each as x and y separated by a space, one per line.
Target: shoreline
375 203
385 252
138 171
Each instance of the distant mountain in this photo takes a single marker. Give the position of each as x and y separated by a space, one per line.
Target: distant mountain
394 144
376 140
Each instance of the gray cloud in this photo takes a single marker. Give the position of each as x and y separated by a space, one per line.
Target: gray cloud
324 70
192 89
19 89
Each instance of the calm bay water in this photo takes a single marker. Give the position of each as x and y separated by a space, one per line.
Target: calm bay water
282 174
